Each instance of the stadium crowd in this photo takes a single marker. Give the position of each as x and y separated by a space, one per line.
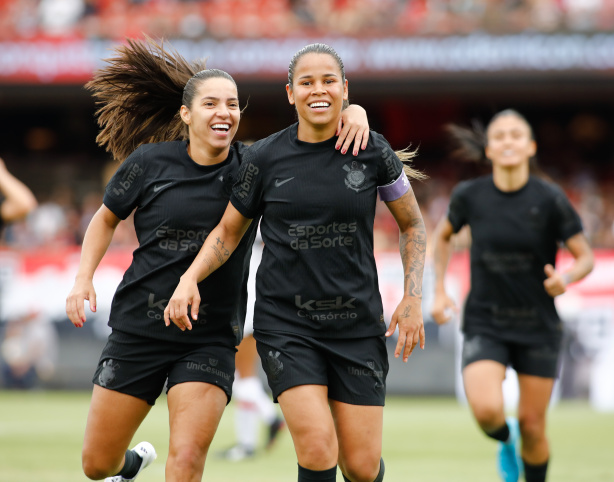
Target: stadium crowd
116 19
61 218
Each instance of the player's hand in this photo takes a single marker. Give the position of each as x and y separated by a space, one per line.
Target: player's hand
186 296
408 317
353 127
555 283
75 301
443 308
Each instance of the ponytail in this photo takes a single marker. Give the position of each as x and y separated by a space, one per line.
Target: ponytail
139 95
468 144
406 156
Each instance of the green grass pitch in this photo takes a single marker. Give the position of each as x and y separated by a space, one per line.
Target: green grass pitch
432 439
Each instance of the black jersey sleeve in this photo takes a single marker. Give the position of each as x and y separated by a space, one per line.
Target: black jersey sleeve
458 209
248 189
123 191
567 220
389 166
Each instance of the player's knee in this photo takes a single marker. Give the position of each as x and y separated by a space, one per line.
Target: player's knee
532 427
188 459
486 415
96 469
361 466
317 447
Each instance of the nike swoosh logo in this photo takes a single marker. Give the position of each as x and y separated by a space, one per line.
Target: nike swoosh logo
279 183
157 188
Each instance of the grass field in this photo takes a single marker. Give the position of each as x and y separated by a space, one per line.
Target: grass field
424 440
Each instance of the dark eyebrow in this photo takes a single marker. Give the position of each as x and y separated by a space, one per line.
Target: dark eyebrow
210 97
311 75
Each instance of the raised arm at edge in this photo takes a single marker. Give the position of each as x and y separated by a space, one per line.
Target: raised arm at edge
18 199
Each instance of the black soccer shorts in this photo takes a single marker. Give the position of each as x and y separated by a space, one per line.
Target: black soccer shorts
140 367
541 360
354 370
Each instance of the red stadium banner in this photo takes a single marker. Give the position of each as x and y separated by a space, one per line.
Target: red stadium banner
73 60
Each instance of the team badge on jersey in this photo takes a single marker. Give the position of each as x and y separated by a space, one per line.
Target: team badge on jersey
355 178
274 365
107 374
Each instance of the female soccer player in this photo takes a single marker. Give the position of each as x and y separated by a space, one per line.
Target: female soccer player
516 221
178 190
319 321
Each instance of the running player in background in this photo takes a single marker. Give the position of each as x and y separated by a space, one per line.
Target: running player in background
149 98
517 220
319 321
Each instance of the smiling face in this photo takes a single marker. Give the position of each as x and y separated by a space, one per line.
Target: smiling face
213 118
509 142
318 91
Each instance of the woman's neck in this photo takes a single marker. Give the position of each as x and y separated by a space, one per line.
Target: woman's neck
308 132
206 155
509 179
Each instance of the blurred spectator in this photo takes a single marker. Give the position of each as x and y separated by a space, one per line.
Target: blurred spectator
55 222
28 351
117 19
59 17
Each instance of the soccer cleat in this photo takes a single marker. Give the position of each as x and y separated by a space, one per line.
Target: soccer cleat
274 429
509 463
147 453
236 453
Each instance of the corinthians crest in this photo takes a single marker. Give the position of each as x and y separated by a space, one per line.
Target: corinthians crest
355 178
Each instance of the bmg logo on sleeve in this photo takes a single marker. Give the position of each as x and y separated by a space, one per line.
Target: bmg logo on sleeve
247 178
132 173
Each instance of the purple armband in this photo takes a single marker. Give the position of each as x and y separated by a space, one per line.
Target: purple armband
394 190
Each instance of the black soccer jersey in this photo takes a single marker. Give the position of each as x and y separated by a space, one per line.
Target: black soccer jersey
178 202
317 276
514 235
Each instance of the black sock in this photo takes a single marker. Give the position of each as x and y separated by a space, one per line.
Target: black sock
131 465
306 475
502 434
382 469
535 473
380 475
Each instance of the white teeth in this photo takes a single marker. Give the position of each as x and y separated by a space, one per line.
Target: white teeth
508 152
221 126
319 104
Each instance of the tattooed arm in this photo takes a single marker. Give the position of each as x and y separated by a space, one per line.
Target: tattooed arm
216 250
408 315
